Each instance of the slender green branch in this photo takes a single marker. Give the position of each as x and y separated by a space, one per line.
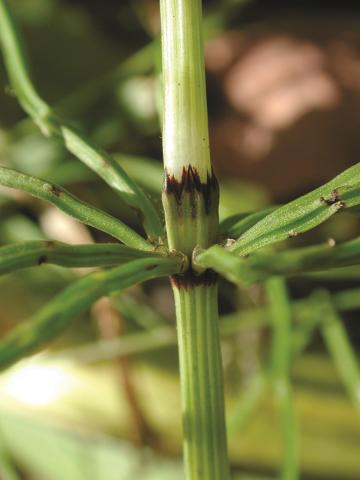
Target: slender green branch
164 336
27 254
115 176
303 213
339 346
281 355
307 313
231 266
57 315
138 312
281 315
236 225
259 266
307 259
71 205
249 400
16 65
42 114
136 343
309 320
347 299
351 273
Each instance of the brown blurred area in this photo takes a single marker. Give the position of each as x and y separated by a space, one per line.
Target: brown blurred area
285 101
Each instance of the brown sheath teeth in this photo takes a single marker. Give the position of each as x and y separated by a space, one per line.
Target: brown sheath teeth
191 184
190 279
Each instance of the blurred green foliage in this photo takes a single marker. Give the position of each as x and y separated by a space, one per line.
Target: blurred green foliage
98 65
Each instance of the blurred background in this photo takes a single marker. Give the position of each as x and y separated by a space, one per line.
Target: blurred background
284 106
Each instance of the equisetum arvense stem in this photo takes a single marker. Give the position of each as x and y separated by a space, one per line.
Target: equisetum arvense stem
190 199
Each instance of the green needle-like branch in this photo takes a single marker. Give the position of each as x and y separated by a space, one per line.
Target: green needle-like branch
73 206
339 346
304 213
260 266
238 224
115 176
160 336
28 254
50 124
281 315
61 312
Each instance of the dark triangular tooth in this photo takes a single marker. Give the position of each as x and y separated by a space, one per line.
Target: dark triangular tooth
190 182
191 279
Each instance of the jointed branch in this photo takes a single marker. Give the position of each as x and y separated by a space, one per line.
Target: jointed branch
73 206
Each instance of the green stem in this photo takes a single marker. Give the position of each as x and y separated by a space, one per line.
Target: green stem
185 121
190 200
205 450
281 355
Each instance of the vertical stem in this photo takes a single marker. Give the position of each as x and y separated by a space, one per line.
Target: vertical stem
185 122
205 451
190 200
281 354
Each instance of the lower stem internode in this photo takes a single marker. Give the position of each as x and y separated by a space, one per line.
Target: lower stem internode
205 447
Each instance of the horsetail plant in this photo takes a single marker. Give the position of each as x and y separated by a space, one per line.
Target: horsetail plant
193 250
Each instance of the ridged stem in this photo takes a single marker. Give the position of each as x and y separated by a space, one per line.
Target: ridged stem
185 121
190 199
205 451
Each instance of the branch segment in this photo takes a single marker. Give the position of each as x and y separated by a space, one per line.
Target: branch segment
73 206
304 213
57 315
260 266
28 254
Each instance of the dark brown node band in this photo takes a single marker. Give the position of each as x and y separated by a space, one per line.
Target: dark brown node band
191 279
190 183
